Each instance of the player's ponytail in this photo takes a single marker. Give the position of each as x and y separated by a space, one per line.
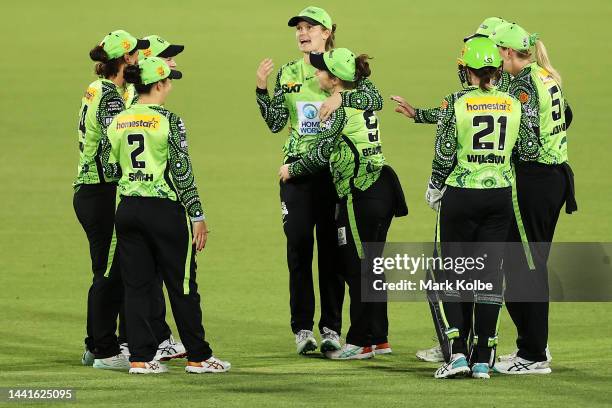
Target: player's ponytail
541 56
362 67
330 43
105 67
131 74
486 75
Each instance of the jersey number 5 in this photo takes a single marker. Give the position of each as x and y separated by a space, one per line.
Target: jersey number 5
132 139
477 144
556 103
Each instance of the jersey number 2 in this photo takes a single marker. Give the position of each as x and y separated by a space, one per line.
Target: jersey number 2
132 139
477 144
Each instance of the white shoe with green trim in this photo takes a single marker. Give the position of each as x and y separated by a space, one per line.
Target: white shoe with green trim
305 341
458 365
330 340
350 352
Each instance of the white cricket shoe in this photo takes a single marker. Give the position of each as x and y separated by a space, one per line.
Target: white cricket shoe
212 365
305 341
330 340
457 365
521 366
382 348
118 362
151 367
512 355
87 359
169 349
350 352
431 355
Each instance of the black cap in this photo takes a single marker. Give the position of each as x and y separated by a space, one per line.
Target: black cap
171 51
317 61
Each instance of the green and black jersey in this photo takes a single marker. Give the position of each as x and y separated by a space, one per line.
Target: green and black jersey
545 106
349 143
149 143
477 134
100 104
431 115
297 99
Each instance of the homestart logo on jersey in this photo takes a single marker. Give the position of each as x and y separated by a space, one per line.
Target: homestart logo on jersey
308 117
138 122
488 104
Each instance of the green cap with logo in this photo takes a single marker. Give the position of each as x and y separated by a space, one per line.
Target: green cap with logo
121 42
340 62
154 69
480 52
512 35
486 28
160 48
313 15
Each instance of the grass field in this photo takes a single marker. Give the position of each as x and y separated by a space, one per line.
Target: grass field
44 263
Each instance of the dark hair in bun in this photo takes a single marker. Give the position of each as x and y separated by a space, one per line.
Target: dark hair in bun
131 73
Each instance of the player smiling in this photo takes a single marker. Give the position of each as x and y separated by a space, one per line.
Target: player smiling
309 203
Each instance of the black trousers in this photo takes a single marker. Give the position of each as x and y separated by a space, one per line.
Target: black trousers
154 236
539 196
308 204
94 206
469 219
365 216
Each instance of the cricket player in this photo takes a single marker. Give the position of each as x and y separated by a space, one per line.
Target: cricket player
160 221
94 196
543 186
370 193
309 203
470 186
168 347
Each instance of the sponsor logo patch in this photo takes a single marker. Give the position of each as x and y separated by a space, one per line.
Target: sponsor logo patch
138 121
90 93
488 104
308 117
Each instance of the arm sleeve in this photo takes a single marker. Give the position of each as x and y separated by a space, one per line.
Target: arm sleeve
317 158
111 104
527 147
504 82
525 91
426 115
569 115
273 110
181 169
364 97
445 155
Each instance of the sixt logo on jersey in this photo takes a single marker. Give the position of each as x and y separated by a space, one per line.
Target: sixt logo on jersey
90 93
138 121
488 103
291 87
140 176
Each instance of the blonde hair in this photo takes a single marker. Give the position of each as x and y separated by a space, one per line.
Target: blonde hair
541 57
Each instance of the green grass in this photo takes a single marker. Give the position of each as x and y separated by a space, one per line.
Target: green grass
44 264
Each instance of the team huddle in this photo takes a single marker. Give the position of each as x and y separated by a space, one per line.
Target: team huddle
499 174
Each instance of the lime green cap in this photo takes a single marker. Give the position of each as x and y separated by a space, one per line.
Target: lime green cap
160 48
486 28
313 15
480 52
121 42
154 69
340 62
512 35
